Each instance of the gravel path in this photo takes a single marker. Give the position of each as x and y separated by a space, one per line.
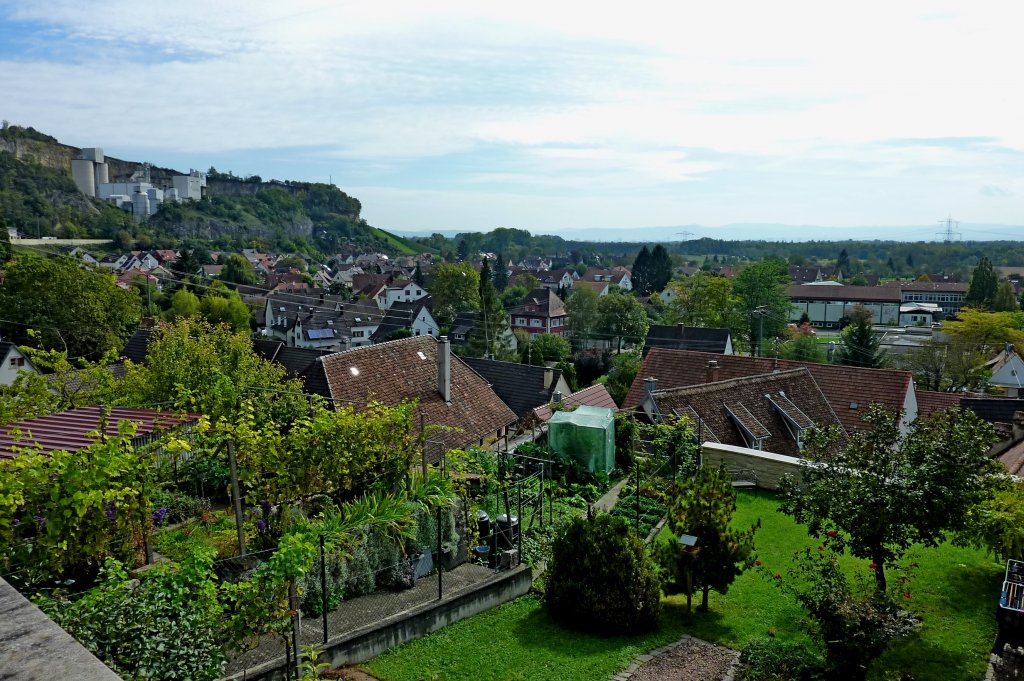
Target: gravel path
689 659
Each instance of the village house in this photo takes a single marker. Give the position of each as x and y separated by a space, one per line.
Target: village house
541 311
522 387
13 362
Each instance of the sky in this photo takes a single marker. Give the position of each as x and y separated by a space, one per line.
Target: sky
556 117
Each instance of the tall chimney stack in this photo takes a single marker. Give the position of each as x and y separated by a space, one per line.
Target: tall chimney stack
650 385
444 368
713 372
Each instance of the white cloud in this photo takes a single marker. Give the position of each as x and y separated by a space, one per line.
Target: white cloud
574 95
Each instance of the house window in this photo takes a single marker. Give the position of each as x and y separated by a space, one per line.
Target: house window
358 334
17 361
521 321
534 322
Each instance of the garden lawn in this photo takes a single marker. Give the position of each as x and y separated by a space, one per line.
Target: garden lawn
954 590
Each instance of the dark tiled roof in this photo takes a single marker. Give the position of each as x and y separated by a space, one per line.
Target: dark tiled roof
5 347
929 402
68 430
594 396
137 347
849 390
395 371
867 294
298 362
758 405
994 409
521 386
686 338
540 301
938 286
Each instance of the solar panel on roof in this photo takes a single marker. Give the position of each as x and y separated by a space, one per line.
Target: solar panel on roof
316 334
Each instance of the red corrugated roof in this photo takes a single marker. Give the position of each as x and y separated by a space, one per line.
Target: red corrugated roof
67 430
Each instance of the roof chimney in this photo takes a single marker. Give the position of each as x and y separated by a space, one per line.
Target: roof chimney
444 368
549 377
650 385
557 397
713 372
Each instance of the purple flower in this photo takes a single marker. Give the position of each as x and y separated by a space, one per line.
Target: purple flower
52 476
111 510
159 515
16 522
41 522
265 505
261 525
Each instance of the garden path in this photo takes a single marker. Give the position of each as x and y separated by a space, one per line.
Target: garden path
606 502
688 659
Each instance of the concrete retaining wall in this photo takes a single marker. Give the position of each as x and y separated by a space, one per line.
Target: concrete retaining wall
767 468
369 642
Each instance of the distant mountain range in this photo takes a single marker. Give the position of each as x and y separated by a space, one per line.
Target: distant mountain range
773 232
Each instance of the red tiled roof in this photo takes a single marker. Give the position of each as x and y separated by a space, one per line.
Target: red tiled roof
594 396
67 430
757 402
406 369
849 390
929 402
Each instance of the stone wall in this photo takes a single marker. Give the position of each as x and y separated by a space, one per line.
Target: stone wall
765 468
369 642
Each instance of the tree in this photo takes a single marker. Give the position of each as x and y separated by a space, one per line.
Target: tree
803 346
601 579
941 366
195 366
455 288
1005 300
417 275
707 300
543 348
764 301
500 275
186 265
641 273
843 262
582 308
659 269
70 306
513 295
987 331
490 332
703 507
981 292
184 305
293 261
237 270
623 371
622 317
5 241
223 306
860 347
525 280
887 490
463 251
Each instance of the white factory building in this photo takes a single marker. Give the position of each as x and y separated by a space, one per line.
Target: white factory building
138 196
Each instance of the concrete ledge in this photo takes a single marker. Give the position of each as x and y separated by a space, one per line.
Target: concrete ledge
34 648
366 643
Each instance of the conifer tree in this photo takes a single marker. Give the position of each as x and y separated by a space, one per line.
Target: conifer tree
704 508
860 346
981 292
641 275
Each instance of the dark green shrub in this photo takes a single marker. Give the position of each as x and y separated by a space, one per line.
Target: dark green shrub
601 579
179 506
312 593
770 659
361 576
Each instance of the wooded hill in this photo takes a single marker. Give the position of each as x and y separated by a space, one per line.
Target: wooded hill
39 198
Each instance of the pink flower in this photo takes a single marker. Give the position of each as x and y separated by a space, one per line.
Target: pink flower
832 533
757 563
906 595
873 566
778 576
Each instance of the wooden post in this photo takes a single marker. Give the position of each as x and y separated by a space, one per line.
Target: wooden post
423 443
437 558
237 498
293 603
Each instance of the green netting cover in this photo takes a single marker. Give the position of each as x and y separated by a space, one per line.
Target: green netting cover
587 435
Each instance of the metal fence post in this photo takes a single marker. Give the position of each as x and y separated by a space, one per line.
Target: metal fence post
636 472
323 584
541 493
437 559
518 528
293 603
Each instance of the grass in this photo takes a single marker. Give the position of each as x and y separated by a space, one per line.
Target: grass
954 590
